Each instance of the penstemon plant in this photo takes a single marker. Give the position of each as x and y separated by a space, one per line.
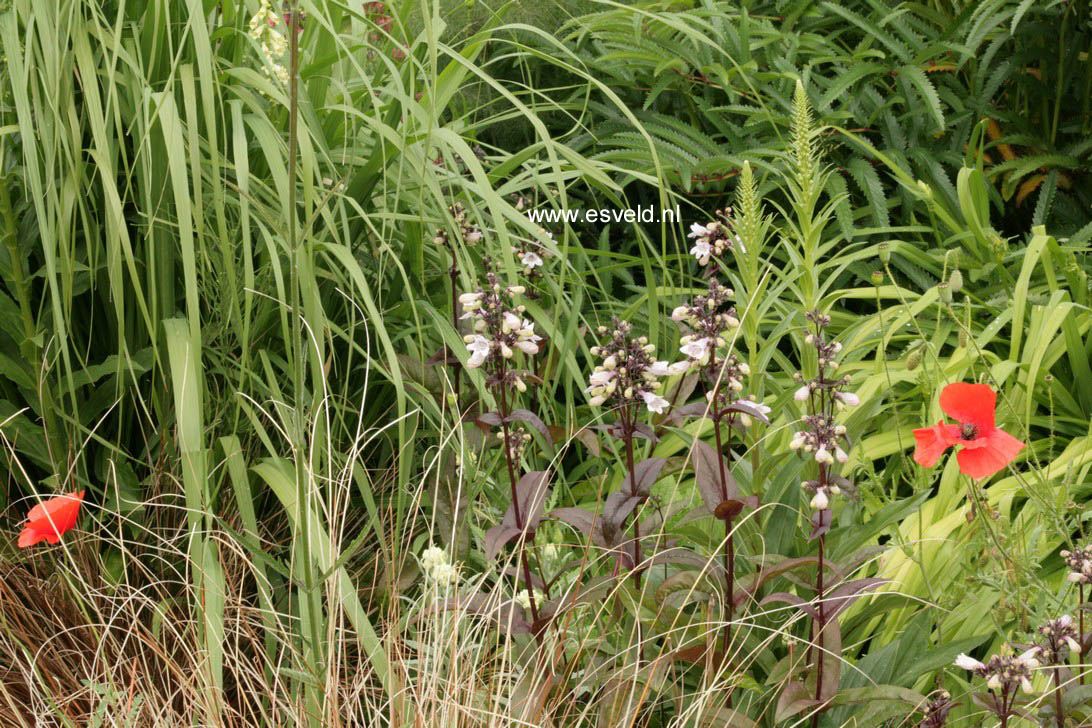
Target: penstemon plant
1060 638
711 318
470 235
500 331
822 440
628 378
1079 563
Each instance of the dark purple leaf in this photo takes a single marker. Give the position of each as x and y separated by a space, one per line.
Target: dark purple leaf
522 415
589 440
489 418
682 391
594 590
509 616
987 701
708 465
843 596
644 475
517 573
496 538
580 519
795 699
684 557
617 508
442 355
820 523
754 582
792 599
729 509
643 430
832 659
532 490
695 654
748 408
694 409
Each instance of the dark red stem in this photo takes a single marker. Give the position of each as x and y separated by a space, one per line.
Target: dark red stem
516 507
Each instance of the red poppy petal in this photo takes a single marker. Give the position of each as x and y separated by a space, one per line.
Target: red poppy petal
969 403
50 505
932 442
51 519
983 462
1004 443
29 536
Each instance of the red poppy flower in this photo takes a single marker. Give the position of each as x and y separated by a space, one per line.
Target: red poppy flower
985 449
50 519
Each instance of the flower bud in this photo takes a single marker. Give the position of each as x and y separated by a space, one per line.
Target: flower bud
802 394
967 662
849 399
820 502
955 281
913 359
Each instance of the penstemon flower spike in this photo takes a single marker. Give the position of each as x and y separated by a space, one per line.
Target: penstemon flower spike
1060 639
500 332
822 440
628 378
1079 563
711 319
713 239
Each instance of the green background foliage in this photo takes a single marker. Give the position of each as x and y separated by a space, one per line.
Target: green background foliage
226 334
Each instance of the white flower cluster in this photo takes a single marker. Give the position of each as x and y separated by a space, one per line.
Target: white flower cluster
1060 638
273 45
821 440
628 371
1080 565
437 568
712 239
500 330
470 233
710 316
1003 672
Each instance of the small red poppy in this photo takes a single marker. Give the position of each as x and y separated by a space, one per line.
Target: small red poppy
50 519
985 448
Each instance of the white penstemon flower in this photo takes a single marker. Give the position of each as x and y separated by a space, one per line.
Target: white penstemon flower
530 259
966 662
479 347
696 349
654 402
702 250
